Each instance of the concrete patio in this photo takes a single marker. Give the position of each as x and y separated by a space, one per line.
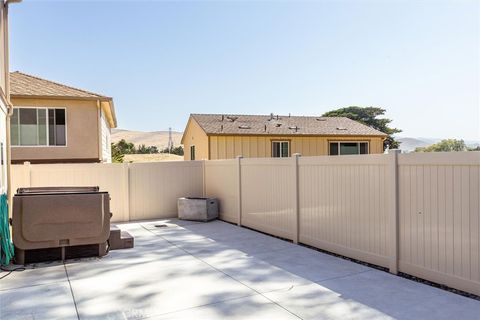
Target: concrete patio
216 270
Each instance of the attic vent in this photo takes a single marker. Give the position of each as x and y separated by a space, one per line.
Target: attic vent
244 127
231 118
294 128
321 119
341 128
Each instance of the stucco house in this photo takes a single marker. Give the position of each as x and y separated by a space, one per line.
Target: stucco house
56 123
219 136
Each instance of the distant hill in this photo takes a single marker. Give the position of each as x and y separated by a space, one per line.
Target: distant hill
409 144
155 138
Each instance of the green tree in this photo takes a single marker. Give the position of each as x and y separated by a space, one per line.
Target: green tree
117 155
125 147
143 149
175 150
369 116
446 145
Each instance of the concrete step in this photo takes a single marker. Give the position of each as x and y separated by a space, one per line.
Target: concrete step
120 239
115 232
127 240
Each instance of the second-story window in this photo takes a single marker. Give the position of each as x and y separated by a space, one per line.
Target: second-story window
38 127
56 127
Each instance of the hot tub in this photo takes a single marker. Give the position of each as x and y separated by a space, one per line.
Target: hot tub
60 222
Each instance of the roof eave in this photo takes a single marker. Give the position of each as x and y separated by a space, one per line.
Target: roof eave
297 134
28 96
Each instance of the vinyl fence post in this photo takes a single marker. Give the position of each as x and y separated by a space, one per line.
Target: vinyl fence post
28 168
126 183
393 216
239 196
296 202
204 186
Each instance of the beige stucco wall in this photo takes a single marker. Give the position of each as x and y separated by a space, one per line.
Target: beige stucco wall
194 135
82 132
226 147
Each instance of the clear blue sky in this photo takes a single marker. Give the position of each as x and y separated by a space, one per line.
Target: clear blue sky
161 61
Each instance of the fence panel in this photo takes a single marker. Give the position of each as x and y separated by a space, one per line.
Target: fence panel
439 218
109 177
156 186
268 195
221 182
344 205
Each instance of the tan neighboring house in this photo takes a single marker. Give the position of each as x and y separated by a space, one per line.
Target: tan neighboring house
218 136
56 123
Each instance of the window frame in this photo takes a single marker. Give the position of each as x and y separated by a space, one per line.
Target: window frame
338 142
192 147
280 141
47 124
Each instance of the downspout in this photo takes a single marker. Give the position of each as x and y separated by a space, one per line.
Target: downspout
99 125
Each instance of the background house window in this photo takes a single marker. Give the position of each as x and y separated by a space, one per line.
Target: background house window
280 149
345 148
32 127
192 152
56 127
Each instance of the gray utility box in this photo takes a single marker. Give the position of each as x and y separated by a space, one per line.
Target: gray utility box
197 209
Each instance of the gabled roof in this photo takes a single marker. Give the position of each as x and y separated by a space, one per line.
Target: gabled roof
218 124
22 84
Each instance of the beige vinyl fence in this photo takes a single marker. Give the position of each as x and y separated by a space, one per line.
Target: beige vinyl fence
439 221
412 213
344 205
268 196
222 182
138 191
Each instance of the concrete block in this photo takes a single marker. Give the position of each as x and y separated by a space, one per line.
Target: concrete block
197 209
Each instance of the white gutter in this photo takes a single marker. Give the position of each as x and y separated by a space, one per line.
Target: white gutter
99 125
